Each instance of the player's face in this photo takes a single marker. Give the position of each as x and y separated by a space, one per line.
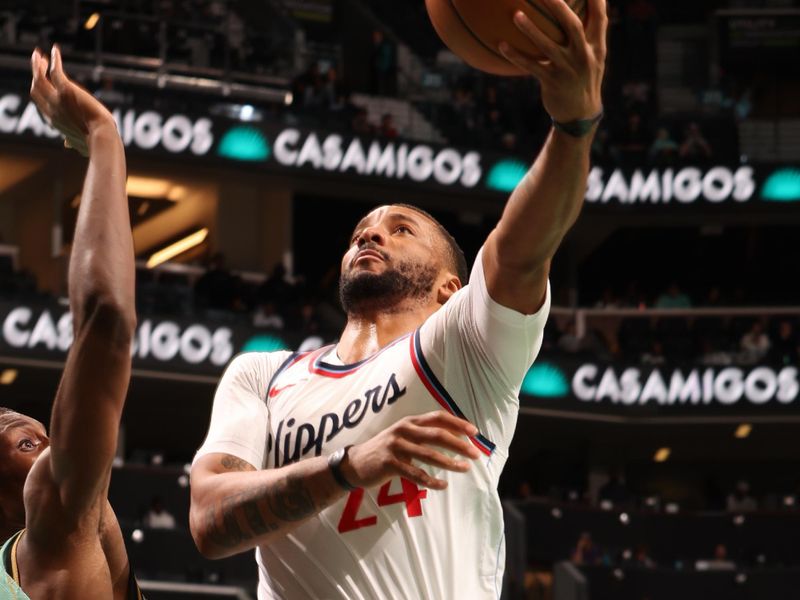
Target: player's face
22 440
394 253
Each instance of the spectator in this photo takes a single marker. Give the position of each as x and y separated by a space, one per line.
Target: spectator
585 552
267 316
695 146
664 150
633 140
674 297
641 557
387 129
655 355
569 341
158 517
754 344
107 94
785 349
603 151
720 562
360 123
741 500
383 65
614 490
216 288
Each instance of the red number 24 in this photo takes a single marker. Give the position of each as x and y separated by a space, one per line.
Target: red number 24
410 495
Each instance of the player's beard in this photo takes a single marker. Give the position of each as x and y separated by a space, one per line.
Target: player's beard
362 292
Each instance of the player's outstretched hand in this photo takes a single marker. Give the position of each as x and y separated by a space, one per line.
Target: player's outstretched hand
412 439
64 104
571 74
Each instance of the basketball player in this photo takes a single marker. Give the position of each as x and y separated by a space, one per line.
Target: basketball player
369 469
62 540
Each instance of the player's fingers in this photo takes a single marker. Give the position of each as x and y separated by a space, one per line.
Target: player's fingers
597 23
567 19
419 476
429 456
525 62
546 46
444 438
440 418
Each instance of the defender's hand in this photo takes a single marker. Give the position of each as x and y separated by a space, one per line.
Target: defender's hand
391 452
64 104
570 75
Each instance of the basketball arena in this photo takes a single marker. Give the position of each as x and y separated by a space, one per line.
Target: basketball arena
655 454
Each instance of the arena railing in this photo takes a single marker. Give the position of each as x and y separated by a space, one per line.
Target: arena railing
160 70
607 321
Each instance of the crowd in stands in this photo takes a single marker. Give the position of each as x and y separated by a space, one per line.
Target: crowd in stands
502 114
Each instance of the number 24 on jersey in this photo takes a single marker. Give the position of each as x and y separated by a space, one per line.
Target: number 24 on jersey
410 496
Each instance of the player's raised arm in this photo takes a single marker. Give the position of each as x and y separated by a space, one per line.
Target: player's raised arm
90 398
547 201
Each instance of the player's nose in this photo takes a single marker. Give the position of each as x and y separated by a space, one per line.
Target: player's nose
371 234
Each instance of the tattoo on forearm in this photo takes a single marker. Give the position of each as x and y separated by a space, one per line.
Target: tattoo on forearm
291 501
294 504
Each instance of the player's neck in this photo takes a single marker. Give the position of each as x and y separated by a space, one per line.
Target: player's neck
365 334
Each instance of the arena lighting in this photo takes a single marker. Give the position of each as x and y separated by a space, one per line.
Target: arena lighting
137 536
624 518
147 187
743 430
91 22
556 512
8 376
179 247
738 520
662 455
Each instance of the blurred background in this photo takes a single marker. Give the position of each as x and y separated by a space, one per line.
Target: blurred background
656 454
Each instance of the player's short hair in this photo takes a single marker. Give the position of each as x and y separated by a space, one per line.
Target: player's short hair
7 416
458 261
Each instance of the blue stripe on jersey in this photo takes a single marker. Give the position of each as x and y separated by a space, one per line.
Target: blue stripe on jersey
440 394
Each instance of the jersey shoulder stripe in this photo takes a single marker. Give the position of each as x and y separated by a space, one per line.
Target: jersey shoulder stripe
440 394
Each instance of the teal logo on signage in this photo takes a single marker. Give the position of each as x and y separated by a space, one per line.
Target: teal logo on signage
506 174
244 143
782 185
545 380
265 342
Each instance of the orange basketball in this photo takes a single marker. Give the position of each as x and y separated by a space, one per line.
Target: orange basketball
473 29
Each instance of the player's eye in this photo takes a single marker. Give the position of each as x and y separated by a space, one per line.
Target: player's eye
26 444
403 229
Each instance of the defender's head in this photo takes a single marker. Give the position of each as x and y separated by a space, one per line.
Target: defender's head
399 253
22 440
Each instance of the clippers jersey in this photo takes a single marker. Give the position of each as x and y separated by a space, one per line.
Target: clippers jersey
396 541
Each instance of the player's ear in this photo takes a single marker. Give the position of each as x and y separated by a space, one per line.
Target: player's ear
448 285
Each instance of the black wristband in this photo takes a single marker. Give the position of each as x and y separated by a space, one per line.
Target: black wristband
579 127
335 465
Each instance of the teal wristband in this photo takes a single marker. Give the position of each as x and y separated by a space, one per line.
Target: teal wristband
579 127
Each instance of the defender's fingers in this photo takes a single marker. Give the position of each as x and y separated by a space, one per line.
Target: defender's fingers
57 75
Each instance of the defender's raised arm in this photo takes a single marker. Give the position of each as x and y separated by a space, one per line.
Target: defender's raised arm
89 402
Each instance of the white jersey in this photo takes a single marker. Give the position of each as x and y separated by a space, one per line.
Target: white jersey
397 541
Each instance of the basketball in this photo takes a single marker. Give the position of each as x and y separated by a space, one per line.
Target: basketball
473 29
